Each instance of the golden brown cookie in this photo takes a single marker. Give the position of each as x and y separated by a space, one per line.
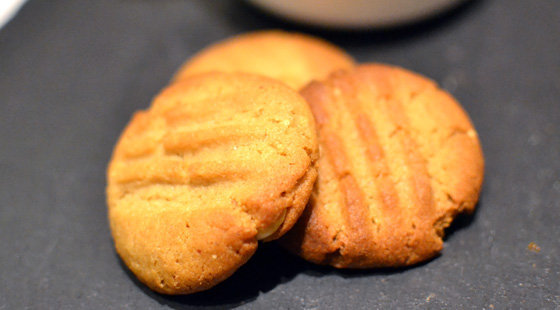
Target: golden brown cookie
292 58
218 162
399 159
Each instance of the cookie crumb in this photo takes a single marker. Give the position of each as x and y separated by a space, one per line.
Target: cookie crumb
534 247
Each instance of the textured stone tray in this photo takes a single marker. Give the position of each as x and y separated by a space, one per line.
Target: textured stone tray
72 72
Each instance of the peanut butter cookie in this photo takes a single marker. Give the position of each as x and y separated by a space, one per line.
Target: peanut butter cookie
218 162
292 58
399 159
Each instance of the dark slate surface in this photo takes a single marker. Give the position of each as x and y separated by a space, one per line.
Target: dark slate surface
72 72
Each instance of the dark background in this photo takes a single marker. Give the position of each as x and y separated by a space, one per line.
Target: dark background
72 72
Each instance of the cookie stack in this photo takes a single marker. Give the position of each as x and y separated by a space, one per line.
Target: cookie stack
274 135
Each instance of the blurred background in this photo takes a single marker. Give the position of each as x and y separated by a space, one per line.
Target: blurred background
8 8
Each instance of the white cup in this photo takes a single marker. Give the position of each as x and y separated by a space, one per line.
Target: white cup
354 13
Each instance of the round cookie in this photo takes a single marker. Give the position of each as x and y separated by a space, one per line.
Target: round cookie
218 162
292 58
399 159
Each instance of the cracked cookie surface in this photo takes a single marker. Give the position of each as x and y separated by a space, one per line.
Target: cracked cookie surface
218 162
399 159
290 57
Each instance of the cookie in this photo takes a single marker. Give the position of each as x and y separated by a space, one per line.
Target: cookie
218 162
399 159
292 58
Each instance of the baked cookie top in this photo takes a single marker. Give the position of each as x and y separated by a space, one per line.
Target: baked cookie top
292 58
399 159
216 163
